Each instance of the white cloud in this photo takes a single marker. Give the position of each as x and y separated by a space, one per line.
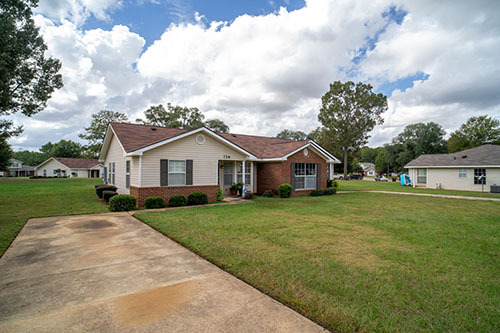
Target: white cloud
77 11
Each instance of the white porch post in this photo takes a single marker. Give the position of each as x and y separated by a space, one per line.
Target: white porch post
251 177
235 173
243 179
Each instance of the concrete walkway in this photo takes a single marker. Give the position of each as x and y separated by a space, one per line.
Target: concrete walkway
428 195
112 273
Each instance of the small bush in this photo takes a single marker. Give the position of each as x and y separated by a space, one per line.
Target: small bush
285 190
197 198
329 191
154 202
268 193
249 195
335 184
106 195
122 203
220 196
333 190
177 201
101 188
316 193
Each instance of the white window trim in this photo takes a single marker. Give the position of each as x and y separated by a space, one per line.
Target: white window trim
462 173
304 176
177 173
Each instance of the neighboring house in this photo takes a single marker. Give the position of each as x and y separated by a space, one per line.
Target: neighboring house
70 167
368 169
469 170
18 169
156 161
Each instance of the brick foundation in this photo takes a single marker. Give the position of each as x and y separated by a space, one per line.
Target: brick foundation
141 193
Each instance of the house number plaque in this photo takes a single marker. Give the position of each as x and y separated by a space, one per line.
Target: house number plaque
226 156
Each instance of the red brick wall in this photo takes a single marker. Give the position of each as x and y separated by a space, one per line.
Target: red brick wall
272 175
141 193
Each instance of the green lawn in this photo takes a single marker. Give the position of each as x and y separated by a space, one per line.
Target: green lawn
351 262
21 199
360 185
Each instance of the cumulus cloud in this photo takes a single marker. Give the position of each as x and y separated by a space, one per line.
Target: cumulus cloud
77 11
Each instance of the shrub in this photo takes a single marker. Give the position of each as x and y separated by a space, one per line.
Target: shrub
197 198
122 203
220 196
329 191
285 190
177 201
335 184
268 193
316 193
101 188
154 202
333 190
106 195
249 195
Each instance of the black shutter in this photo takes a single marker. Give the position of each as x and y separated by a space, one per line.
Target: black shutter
189 172
318 176
164 172
292 175
105 175
127 174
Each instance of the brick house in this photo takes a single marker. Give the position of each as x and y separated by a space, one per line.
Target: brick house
146 161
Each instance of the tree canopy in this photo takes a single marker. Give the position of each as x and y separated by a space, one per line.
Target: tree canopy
173 116
32 158
27 77
476 131
66 148
348 113
96 132
292 135
5 154
217 125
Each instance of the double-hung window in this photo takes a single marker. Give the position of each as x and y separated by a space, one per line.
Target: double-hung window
480 176
421 176
176 172
248 171
305 176
462 173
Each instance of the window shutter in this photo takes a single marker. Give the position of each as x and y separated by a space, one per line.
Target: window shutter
163 172
318 176
189 172
104 175
292 175
127 174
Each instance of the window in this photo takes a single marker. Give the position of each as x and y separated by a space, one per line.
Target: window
305 176
421 176
176 172
44 173
479 176
248 171
109 173
113 165
127 174
462 173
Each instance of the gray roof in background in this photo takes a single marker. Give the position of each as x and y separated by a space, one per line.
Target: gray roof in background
482 155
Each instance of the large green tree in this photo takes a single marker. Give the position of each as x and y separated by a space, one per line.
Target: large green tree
217 125
30 157
95 133
292 135
381 164
5 154
66 148
368 154
476 131
348 113
173 116
27 77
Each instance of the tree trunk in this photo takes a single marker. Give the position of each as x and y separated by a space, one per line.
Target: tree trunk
346 153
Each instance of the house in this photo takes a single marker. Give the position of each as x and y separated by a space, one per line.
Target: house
368 169
70 167
474 169
149 161
18 169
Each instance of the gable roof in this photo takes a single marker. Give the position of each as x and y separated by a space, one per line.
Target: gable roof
485 155
74 163
137 137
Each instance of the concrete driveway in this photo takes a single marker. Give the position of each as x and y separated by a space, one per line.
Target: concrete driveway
112 273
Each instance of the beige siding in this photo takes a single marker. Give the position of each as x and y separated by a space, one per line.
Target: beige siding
447 178
50 167
115 155
204 158
134 171
81 173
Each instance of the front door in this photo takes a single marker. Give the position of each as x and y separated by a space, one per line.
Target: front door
227 180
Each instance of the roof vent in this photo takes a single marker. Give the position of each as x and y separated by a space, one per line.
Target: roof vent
464 156
153 129
234 135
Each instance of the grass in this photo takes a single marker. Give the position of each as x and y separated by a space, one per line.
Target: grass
21 199
360 185
352 264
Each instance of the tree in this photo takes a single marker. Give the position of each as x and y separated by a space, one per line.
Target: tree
476 131
30 157
368 154
417 139
356 167
292 135
27 77
46 148
381 164
315 134
173 116
96 132
66 148
348 113
217 125
5 154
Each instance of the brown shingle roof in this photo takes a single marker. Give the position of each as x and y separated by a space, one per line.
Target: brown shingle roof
77 163
135 136
482 155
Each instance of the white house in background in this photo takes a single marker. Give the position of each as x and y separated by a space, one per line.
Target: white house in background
18 169
69 167
368 169
474 169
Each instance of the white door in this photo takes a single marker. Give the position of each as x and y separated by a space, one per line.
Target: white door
227 180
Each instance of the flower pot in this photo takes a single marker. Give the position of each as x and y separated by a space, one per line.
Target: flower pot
233 192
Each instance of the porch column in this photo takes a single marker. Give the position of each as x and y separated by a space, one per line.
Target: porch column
243 178
251 177
235 173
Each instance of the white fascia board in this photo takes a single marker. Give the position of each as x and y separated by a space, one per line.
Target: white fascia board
450 167
318 146
107 141
178 137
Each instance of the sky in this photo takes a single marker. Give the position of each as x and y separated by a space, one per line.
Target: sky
262 66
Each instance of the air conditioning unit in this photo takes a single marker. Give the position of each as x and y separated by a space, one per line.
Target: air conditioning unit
495 188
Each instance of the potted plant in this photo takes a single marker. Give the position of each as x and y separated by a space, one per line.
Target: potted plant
234 188
239 187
